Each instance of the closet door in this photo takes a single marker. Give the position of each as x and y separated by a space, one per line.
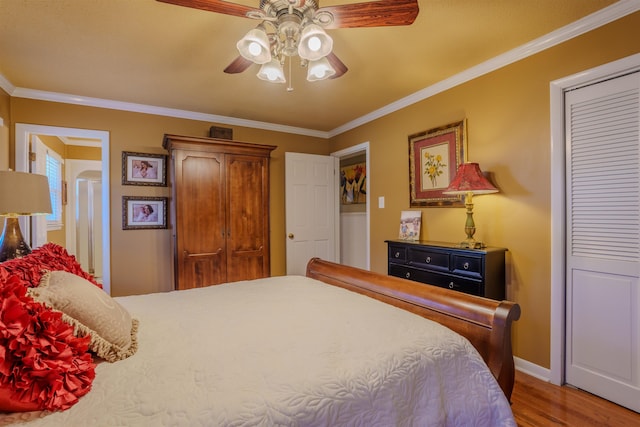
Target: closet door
200 219
603 241
247 213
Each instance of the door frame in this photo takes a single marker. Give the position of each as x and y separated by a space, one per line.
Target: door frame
22 136
348 152
558 195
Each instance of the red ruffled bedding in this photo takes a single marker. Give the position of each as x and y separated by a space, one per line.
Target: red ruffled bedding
43 366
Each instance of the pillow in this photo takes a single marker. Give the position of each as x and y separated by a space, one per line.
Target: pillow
43 366
91 312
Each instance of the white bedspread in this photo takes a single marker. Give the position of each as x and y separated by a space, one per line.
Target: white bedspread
285 351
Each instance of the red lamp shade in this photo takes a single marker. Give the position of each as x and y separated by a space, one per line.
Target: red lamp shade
469 179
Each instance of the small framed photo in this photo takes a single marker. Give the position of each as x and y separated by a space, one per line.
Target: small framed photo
144 169
144 212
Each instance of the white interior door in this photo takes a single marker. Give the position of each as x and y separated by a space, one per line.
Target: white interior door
311 209
39 166
603 239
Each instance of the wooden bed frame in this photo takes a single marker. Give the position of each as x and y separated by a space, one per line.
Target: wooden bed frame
484 322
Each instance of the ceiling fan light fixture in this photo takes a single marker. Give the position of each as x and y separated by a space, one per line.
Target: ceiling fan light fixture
314 43
319 70
272 72
255 46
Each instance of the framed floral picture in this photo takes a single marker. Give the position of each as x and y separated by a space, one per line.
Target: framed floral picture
434 157
144 212
144 169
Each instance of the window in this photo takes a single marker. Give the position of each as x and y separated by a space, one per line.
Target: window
54 173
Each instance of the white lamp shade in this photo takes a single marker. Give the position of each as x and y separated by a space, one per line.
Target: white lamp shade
315 43
24 193
255 47
272 72
320 70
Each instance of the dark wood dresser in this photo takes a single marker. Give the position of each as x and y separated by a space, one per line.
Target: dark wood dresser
474 271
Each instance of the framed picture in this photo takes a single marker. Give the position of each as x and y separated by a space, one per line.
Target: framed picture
434 157
353 186
410 225
144 212
144 169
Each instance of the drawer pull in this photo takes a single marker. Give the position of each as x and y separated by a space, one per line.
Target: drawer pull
466 265
407 275
397 255
451 285
428 260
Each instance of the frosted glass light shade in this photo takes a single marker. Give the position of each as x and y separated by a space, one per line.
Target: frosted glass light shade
319 70
255 46
272 72
315 43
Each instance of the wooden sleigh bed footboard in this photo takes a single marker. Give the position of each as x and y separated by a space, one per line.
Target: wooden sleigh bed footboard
485 323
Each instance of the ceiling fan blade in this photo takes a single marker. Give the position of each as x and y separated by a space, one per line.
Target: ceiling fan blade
372 14
219 6
337 65
238 65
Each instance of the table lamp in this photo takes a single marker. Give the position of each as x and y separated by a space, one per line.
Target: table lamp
469 181
21 194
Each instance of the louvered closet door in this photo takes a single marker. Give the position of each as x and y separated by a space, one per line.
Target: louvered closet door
603 241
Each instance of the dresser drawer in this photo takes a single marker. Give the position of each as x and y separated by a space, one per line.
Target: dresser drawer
474 287
426 258
397 254
467 265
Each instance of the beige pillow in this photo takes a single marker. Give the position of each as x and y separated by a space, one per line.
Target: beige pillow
91 312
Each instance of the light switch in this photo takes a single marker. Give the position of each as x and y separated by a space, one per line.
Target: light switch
381 202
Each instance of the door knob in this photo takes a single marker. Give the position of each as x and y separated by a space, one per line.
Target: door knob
290 236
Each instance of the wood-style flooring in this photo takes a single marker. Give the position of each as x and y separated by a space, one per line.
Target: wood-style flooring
538 403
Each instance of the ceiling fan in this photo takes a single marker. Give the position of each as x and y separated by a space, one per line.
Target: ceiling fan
291 28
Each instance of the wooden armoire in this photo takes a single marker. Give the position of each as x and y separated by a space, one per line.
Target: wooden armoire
219 210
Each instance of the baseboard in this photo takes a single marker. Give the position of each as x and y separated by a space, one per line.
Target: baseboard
532 369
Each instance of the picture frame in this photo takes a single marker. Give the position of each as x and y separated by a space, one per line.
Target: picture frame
434 158
140 213
144 169
410 225
353 187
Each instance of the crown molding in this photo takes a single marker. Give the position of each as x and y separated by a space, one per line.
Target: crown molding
6 85
586 24
159 111
597 19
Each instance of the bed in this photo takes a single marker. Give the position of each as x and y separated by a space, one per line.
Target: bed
292 351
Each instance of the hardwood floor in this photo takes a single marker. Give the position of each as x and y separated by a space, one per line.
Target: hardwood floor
538 403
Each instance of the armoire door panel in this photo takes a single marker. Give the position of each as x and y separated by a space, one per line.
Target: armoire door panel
246 265
201 233
220 210
203 270
247 204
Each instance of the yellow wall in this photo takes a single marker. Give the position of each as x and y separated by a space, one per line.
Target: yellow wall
508 130
508 135
141 259
4 129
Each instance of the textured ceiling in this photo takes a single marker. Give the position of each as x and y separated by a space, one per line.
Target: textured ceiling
157 54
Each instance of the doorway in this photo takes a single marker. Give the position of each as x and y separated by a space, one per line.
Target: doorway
329 237
568 325
355 223
23 133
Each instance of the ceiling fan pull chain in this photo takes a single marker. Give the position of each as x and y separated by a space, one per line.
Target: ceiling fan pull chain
290 87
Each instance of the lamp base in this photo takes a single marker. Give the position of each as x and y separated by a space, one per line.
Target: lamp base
12 244
472 245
